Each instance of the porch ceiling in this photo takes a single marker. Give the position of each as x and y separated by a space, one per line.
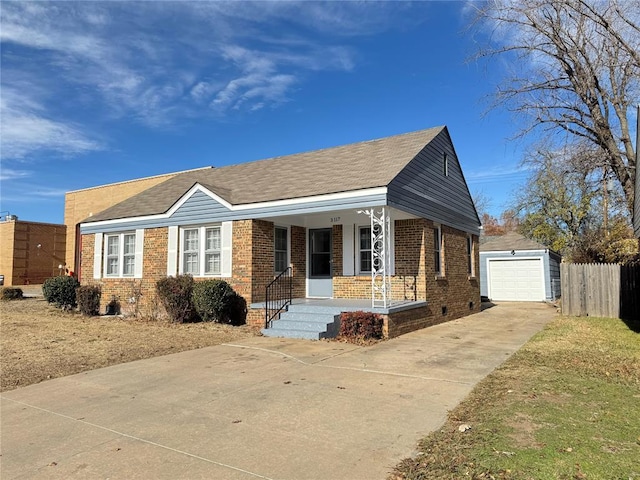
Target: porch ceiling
338 217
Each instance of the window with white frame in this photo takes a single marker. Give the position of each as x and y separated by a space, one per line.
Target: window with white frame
201 251
365 248
365 255
445 164
438 251
281 249
470 256
120 254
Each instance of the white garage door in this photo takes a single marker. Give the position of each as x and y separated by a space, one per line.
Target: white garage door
516 280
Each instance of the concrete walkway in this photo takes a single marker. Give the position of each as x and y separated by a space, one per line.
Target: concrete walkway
265 408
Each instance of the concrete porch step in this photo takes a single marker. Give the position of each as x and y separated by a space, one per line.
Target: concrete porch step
295 323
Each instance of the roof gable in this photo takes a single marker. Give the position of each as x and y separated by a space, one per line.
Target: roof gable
425 187
510 241
346 168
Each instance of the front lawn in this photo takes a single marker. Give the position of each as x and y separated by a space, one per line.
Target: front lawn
39 341
566 406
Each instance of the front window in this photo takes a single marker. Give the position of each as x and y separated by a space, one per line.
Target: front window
212 251
190 251
281 250
437 250
120 255
365 249
470 255
129 254
201 251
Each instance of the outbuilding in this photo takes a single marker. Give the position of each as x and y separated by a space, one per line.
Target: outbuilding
514 268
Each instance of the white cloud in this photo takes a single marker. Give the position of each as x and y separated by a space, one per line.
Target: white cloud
24 130
12 174
497 173
159 62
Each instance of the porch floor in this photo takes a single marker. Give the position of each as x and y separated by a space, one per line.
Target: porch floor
340 305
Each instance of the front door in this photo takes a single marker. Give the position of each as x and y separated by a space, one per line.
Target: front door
320 280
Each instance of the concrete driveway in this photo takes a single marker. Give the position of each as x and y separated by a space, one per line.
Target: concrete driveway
265 408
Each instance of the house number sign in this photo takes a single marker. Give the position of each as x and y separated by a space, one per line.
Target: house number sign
335 219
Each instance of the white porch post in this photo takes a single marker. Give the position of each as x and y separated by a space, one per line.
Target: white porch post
380 256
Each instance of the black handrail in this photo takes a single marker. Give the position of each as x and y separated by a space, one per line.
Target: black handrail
278 296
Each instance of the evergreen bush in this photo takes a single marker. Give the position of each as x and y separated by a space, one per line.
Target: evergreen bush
175 295
61 291
88 298
11 293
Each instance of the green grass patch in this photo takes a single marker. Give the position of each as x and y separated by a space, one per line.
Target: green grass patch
565 406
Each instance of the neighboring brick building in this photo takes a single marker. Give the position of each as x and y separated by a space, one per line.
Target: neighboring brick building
389 221
30 252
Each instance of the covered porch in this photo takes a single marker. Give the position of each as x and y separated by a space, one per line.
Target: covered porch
317 318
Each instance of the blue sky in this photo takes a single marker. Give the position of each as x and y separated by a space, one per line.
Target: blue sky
100 92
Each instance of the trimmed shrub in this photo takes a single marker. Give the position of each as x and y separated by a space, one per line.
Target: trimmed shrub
237 310
210 299
358 326
11 293
88 298
216 301
61 291
175 295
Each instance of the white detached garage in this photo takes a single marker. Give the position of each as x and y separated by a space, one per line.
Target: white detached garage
514 268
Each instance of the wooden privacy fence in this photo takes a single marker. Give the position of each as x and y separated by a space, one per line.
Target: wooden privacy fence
600 290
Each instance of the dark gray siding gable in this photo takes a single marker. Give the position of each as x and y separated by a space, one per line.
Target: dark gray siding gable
423 189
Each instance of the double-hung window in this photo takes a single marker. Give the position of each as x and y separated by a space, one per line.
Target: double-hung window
470 263
212 264
364 240
281 249
438 251
120 255
201 251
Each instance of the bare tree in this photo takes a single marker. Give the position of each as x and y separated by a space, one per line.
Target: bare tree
576 70
559 204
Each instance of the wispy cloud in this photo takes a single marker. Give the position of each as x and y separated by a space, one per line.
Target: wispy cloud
25 129
497 173
12 174
157 63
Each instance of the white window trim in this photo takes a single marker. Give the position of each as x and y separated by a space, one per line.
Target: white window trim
445 164
201 250
359 250
288 229
137 255
471 262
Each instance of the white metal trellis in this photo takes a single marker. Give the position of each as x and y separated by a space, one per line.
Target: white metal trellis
380 256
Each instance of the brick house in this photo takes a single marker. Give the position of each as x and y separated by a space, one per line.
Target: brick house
386 225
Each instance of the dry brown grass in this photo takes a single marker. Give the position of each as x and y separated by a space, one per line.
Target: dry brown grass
39 342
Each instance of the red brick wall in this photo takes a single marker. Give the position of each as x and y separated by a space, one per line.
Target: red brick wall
263 257
454 295
241 259
299 260
135 295
336 254
21 261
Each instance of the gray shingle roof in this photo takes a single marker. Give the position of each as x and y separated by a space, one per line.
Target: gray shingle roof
356 166
509 241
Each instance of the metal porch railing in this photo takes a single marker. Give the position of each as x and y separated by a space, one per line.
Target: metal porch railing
278 295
